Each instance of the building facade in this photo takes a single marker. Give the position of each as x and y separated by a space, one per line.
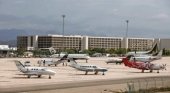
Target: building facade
86 42
104 42
140 43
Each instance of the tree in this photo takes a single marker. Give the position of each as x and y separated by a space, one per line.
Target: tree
20 51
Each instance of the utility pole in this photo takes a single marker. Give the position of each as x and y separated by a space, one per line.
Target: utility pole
63 16
126 37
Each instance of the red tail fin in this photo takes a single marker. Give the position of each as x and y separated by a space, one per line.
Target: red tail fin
126 62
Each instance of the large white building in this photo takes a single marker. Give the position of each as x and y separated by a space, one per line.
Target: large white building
88 42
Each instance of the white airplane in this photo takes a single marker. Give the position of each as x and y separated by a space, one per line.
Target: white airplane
75 56
37 71
86 68
154 50
147 58
141 58
50 61
114 60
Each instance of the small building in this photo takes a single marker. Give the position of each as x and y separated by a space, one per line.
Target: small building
4 50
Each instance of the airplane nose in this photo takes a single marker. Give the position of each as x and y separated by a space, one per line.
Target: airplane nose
52 72
105 70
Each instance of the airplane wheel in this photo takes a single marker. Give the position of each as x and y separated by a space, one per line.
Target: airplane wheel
49 77
157 71
103 73
142 71
39 76
86 73
29 76
55 65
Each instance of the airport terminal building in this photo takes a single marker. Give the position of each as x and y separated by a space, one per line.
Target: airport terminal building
79 42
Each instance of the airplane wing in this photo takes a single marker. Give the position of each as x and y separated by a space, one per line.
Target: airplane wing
26 74
88 69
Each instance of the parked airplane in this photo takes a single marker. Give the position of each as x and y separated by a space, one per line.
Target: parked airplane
37 71
75 56
50 61
143 66
114 60
142 58
148 58
153 51
86 68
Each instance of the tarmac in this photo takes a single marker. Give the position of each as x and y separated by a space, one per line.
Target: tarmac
69 80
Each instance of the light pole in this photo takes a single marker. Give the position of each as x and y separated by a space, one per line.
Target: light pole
126 37
127 21
63 23
63 31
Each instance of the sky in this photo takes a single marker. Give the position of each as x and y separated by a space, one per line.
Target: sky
147 18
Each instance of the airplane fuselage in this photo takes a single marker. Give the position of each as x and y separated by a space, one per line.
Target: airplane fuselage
143 66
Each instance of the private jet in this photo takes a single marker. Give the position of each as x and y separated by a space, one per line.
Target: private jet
75 56
114 60
147 58
30 71
50 62
142 58
86 68
153 51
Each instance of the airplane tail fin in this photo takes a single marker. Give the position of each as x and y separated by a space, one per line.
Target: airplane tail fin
154 49
126 60
64 57
20 66
72 62
159 55
52 50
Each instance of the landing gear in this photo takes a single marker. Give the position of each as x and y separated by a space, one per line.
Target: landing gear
142 71
151 71
103 73
158 71
49 77
96 73
86 72
55 65
39 76
29 76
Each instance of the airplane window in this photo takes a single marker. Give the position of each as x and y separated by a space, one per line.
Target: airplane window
94 67
43 69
